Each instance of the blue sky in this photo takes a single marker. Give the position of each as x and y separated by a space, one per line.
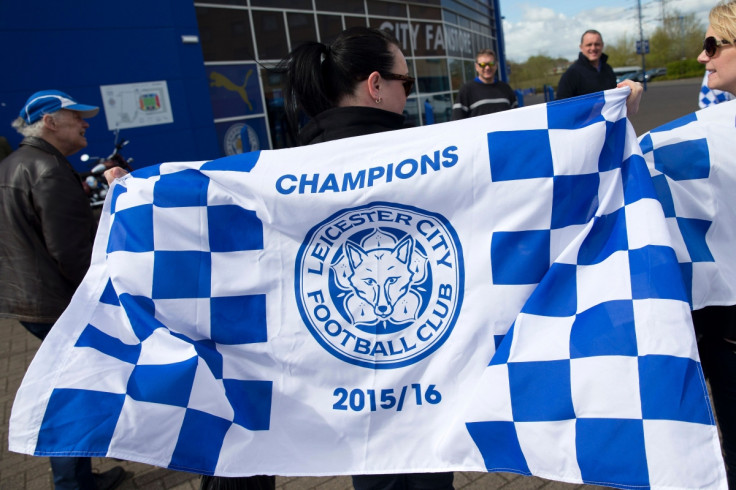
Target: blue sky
553 27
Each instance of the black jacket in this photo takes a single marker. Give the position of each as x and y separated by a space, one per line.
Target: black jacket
583 78
47 232
344 122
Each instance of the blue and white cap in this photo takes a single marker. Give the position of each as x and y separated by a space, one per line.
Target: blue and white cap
49 101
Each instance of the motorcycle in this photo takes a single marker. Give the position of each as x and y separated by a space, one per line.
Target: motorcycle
94 183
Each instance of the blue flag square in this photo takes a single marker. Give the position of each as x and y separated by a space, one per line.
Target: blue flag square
147 172
520 257
646 144
607 329
111 346
575 199
181 274
556 294
251 401
70 426
181 189
168 384
132 230
520 155
499 444
243 162
109 295
693 233
117 191
681 395
232 228
503 347
207 350
238 319
200 439
655 273
635 178
141 312
541 391
576 113
668 160
612 153
607 236
605 447
664 195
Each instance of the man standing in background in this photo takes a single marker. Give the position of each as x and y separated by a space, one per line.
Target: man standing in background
590 73
484 95
47 233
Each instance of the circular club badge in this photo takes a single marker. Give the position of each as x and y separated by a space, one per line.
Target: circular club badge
381 285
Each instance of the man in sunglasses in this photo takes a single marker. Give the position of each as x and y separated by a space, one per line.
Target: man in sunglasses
484 95
590 73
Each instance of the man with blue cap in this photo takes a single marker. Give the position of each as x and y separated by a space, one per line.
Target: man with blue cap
48 230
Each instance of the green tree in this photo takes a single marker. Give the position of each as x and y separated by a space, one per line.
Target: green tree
536 71
622 52
679 37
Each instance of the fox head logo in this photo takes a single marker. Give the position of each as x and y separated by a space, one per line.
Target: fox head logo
380 285
379 275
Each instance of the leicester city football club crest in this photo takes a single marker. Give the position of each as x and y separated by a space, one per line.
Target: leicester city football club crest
381 285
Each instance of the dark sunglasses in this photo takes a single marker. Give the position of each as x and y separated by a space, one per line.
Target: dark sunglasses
483 65
711 45
406 81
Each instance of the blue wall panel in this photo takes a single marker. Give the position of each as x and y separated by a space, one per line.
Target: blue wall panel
79 46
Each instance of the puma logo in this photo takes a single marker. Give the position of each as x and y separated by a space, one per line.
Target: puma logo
220 80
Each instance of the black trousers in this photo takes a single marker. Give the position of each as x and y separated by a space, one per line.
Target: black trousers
407 481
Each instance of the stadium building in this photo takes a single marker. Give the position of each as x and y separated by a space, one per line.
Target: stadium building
191 81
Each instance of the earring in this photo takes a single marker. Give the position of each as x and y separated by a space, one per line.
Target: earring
378 100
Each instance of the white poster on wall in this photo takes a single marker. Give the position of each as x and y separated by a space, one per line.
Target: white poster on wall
132 105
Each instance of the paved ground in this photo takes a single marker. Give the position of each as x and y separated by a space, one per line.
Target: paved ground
666 101
18 471
663 102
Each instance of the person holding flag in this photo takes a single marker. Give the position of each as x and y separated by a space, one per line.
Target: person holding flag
716 325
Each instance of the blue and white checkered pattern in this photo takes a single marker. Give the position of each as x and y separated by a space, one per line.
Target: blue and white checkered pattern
169 370
690 160
708 96
577 388
573 356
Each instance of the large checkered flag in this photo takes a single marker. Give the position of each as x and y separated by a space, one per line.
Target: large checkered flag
333 309
597 379
691 162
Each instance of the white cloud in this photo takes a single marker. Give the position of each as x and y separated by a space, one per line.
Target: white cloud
547 31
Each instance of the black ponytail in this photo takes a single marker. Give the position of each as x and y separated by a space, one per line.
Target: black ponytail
319 76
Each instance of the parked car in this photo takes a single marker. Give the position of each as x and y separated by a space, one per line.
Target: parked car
637 76
654 73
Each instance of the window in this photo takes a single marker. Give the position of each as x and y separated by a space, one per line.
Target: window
429 13
329 27
347 6
270 34
285 4
225 34
432 75
456 74
389 9
301 28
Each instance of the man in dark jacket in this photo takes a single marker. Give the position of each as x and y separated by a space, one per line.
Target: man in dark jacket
47 234
590 73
